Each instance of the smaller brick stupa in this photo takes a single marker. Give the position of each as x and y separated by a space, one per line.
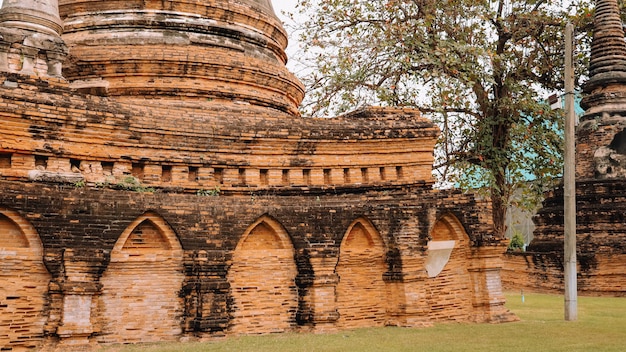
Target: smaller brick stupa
600 180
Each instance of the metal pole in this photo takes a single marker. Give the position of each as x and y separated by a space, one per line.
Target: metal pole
569 183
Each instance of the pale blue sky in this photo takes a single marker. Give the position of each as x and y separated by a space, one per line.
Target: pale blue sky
281 6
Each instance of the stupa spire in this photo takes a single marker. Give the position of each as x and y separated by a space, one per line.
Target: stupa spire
608 49
607 66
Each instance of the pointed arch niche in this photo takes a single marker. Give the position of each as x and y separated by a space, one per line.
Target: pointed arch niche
262 280
449 294
361 291
140 288
24 283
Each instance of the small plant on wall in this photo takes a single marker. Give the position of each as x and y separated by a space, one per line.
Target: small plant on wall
517 243
209 192
130 183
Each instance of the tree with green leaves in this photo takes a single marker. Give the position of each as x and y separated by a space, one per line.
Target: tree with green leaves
481 69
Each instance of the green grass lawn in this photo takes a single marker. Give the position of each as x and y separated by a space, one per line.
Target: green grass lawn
601 326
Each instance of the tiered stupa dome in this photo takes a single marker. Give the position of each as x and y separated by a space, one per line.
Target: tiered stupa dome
209 52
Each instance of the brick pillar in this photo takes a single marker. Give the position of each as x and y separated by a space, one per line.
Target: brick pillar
55 63
322 298
488 299
4 56
92 171
409 287
395 300
29 55
410 294
74 291
151 174
206 292
317 177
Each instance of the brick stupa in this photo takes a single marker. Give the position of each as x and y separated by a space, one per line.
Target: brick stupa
157 183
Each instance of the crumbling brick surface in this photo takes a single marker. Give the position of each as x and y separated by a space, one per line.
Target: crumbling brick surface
52 129
601 248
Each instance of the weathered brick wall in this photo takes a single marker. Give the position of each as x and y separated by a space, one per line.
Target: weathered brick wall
612 272
449 294
598 274
101 242
533 272
601 238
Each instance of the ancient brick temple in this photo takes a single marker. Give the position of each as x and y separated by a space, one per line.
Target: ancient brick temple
157 183
600 181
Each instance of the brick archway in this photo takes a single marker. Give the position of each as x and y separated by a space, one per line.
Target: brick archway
22 297
140 288
262 280
361 291
449 294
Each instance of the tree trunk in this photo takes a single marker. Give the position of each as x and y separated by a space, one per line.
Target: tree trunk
498 203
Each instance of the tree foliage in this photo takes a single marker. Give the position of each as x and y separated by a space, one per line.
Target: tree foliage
481 69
